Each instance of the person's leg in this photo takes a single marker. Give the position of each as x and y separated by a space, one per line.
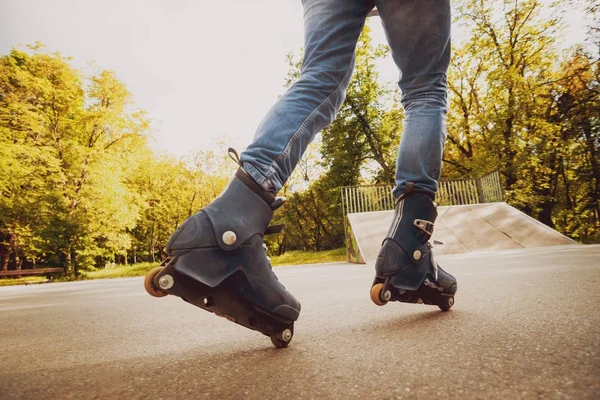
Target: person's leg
332 28
218 259
418 32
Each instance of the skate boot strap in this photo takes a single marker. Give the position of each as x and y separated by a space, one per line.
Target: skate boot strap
274 229
410 189
266 196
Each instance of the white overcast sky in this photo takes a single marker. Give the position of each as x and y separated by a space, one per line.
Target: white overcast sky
202 69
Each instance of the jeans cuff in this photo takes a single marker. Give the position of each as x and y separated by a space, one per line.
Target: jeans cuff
257 176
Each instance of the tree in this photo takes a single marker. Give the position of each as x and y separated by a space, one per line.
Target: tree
578 107
366 132
68 147
512 45
514 107
172 190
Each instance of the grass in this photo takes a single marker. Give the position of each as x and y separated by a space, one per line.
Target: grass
309 257
121 271
140 269
22 281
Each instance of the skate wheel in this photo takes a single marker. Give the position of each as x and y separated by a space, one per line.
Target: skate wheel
447 305
283 339
378 296
149 285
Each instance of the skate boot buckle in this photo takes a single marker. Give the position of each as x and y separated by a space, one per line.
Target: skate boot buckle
424 226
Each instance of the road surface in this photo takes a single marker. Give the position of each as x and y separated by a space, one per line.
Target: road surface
526 324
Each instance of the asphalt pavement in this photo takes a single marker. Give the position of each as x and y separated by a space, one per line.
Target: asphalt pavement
526 324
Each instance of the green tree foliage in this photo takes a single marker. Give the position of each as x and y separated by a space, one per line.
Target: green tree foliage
513 107
498 80
365 134
311 214
575 204
67 146
79 186
171 191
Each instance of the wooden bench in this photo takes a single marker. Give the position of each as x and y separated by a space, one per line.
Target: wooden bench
39 271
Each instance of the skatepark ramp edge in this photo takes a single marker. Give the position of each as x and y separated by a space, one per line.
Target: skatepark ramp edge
461 229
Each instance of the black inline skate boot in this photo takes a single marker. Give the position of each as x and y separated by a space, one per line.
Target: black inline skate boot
406 270
217 261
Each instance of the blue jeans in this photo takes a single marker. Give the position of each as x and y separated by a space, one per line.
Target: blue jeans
418 32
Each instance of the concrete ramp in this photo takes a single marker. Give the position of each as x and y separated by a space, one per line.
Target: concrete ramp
461 229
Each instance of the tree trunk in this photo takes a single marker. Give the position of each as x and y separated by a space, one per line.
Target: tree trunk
374 143
508 151
153 242
5 258
590 141
302 235
316 234
545 215
548 192
14 245
75 258
319 218
68 263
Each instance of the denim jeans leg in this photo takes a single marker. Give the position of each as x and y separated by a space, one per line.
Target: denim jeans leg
331 30
418 32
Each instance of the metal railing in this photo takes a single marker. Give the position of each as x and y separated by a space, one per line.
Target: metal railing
486 189
491 188
367 198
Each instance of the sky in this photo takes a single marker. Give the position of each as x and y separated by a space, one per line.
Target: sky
205 71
